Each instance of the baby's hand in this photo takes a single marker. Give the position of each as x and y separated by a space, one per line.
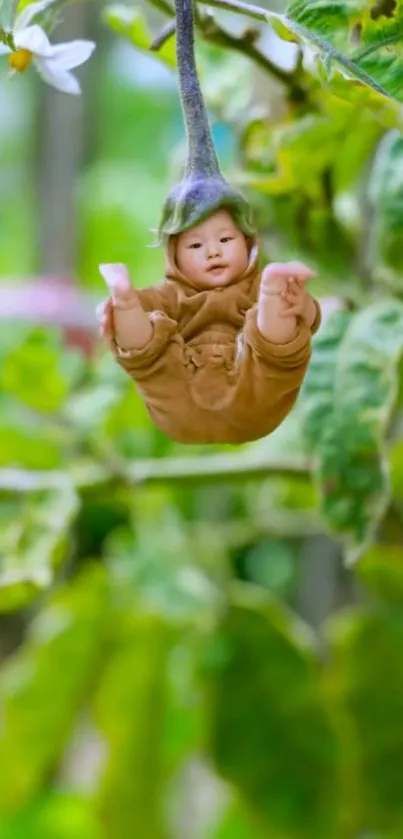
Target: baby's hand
104 315
276 276
123 319
117 278
299 302
274 319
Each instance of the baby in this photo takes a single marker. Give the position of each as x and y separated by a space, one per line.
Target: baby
219 349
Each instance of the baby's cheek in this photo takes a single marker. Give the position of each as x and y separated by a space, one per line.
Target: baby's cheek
180 261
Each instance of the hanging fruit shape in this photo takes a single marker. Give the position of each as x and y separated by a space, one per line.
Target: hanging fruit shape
203 189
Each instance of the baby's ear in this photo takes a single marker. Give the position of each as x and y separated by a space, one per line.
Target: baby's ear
253 249
253 243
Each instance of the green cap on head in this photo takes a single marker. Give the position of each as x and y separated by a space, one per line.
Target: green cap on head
196 198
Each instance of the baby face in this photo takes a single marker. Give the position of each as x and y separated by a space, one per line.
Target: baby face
214 253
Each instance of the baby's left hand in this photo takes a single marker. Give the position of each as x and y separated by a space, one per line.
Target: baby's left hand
300 302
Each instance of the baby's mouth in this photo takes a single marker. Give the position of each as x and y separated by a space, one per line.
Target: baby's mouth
216 267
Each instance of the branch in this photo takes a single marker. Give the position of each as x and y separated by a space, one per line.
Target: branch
166 33
278 522
235 6
255 12
381 44
213 33
182 471
244 44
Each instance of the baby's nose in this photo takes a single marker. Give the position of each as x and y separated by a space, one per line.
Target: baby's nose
213 250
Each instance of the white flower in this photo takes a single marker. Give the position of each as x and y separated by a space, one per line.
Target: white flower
53 62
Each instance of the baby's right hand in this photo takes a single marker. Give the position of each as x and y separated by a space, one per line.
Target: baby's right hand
123 320
117 278
104 313
277 275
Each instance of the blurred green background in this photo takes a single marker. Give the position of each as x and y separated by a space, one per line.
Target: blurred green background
203 642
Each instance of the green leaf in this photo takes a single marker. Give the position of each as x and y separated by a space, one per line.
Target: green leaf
47 17
291 149
130 23
236 825
23 4
381 569
380 50
343 139
334 18
154 562
33 546
314 198
352 50
349 394
6 14
43 685
396 470
385 193
271 735
317 398
27 439
130 713
366 679
53 815
39 372
87 408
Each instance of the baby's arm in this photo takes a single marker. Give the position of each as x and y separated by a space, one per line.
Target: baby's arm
132 327
276 319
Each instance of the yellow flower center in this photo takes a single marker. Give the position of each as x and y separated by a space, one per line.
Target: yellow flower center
20 60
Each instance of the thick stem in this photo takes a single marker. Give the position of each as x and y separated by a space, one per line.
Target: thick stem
202 158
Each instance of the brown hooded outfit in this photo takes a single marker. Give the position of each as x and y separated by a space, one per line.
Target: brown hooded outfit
208 375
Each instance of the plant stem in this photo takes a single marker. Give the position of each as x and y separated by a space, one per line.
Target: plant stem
255 12
217 468
384 42
249 10
225 39
201 154
163 36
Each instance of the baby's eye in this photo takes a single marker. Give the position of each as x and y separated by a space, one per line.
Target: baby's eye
195 245
226 238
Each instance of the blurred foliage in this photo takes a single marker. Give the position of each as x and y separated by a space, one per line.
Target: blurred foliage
155 678
361 38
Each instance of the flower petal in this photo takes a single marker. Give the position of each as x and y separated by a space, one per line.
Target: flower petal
24 19
59 79
33 39
72 54
4 50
